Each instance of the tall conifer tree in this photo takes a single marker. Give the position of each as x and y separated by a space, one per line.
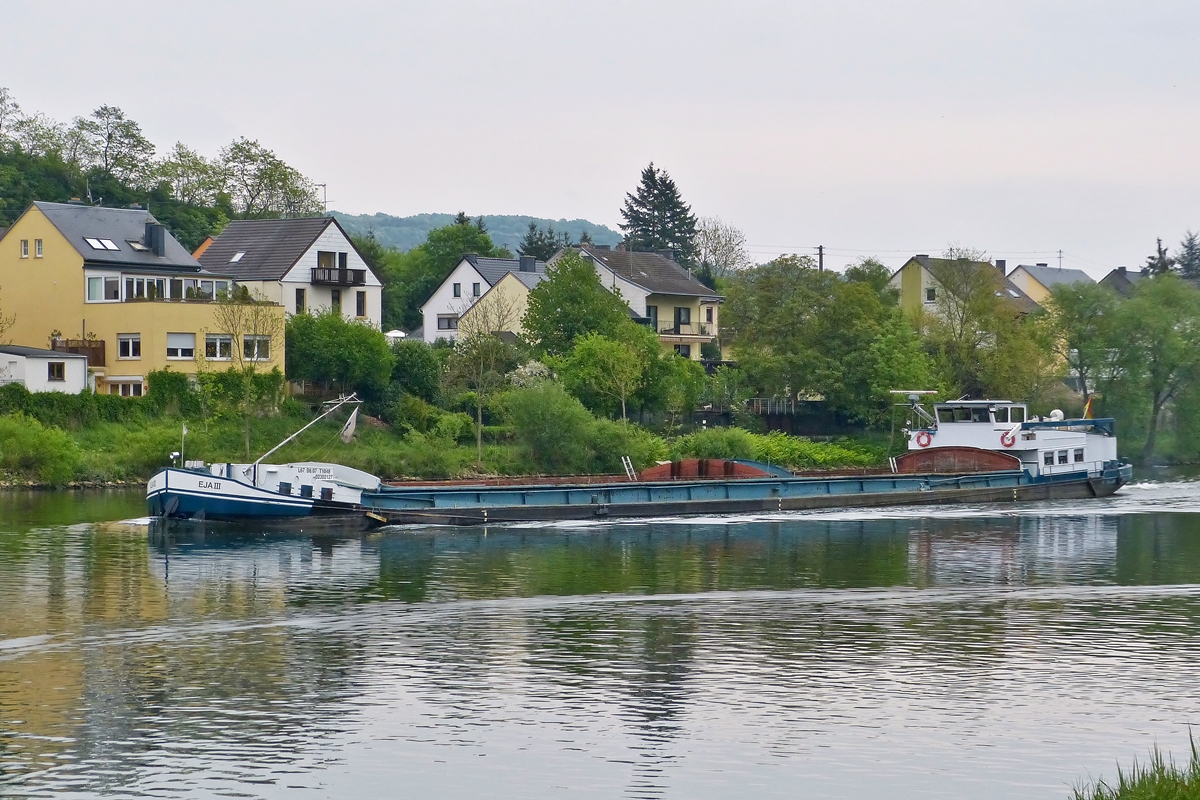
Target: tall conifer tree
656 218
1188 257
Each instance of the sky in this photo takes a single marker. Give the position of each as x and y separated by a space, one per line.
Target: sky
871 127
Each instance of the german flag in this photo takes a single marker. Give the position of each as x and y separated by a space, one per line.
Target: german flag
1087 410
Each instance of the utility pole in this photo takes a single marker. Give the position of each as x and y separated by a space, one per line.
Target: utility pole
820 258
1060 259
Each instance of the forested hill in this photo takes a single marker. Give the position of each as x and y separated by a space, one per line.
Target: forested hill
506 230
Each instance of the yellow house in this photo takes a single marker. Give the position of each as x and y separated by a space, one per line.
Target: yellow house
683 311
920 289
1036 280
502 307
114 285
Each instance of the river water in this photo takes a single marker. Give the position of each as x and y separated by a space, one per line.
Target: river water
973 651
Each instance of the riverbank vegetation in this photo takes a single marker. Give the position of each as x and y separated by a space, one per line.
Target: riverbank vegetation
1160 778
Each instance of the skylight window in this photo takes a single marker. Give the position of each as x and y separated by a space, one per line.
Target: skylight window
237 256
95 244
109 244
1014 294
137 246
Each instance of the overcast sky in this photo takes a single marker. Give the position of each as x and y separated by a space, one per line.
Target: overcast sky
884 128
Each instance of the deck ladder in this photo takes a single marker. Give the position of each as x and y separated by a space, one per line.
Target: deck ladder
628 464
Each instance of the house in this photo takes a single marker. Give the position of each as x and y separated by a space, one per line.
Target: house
305 264
502 307
466 284
682 310
43 370
114 285
1122 280
1037 280
919 289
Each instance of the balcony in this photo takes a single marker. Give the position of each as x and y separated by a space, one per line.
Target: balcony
326 276
92 348
686 329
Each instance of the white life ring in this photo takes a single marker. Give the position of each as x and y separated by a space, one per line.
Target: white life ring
1008 438
923 439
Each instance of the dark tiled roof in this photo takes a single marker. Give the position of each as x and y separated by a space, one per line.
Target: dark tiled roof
271 246
36 352
1055 276
1122 280
120 226
493 269
651 271
530 279
1024 302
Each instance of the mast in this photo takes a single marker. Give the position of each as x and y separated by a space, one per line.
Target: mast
353 398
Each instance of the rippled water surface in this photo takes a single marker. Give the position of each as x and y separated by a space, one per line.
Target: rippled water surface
998 651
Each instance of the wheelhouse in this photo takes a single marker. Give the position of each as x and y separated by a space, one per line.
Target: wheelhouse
994 412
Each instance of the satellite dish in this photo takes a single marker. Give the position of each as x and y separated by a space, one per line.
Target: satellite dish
1056 415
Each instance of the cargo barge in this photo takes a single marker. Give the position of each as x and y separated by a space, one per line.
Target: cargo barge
985 451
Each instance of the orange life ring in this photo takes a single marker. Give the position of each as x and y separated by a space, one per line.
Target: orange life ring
923 439
1008 439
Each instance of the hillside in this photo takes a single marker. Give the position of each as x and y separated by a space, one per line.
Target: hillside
405 233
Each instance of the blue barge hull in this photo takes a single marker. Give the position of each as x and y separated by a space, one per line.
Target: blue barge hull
474 505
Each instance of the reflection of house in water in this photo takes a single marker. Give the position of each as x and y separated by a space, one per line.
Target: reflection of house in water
1011 550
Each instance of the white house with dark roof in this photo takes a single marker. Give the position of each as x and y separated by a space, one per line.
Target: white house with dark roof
41 370
466 284
1037 280
683 311
305 264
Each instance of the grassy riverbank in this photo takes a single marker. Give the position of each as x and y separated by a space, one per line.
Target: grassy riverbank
1158 779
58 441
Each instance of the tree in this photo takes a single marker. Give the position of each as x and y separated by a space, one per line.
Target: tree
607 367
115 144
720 247
685 386
480 365
1188 256
417 371
10 114
263 186
1159 327
192 178
256 329
1160 263
873 273
570 303
1081 317
542 244
336 353
656 217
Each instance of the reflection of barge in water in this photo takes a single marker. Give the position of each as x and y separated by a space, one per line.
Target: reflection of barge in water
967 451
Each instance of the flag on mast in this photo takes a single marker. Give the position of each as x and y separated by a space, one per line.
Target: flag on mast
348 428
1087 410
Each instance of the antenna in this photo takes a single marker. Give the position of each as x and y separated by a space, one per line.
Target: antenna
1060 259
324 196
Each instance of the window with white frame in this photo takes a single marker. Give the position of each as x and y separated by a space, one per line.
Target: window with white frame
126 388
257 348
181 346
218 347
37 248
447 322
101 289
24 248
129 345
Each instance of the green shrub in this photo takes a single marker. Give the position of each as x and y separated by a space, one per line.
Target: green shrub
550 426
172 393
799 453
608 440
33 451
733 443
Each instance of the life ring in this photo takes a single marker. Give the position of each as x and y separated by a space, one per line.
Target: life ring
1008 439
923 439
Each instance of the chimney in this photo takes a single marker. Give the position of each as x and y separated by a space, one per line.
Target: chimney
921 255
472 257
1002 265
669 254
621 247
1121 270
601 246
75 201
1042 264
156 238
528 264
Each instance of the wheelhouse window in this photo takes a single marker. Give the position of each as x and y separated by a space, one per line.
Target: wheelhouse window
1048 458
1001 414
129 345
1078 455
181 346
257 348
1062 457
56 371
218 347
1016 414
